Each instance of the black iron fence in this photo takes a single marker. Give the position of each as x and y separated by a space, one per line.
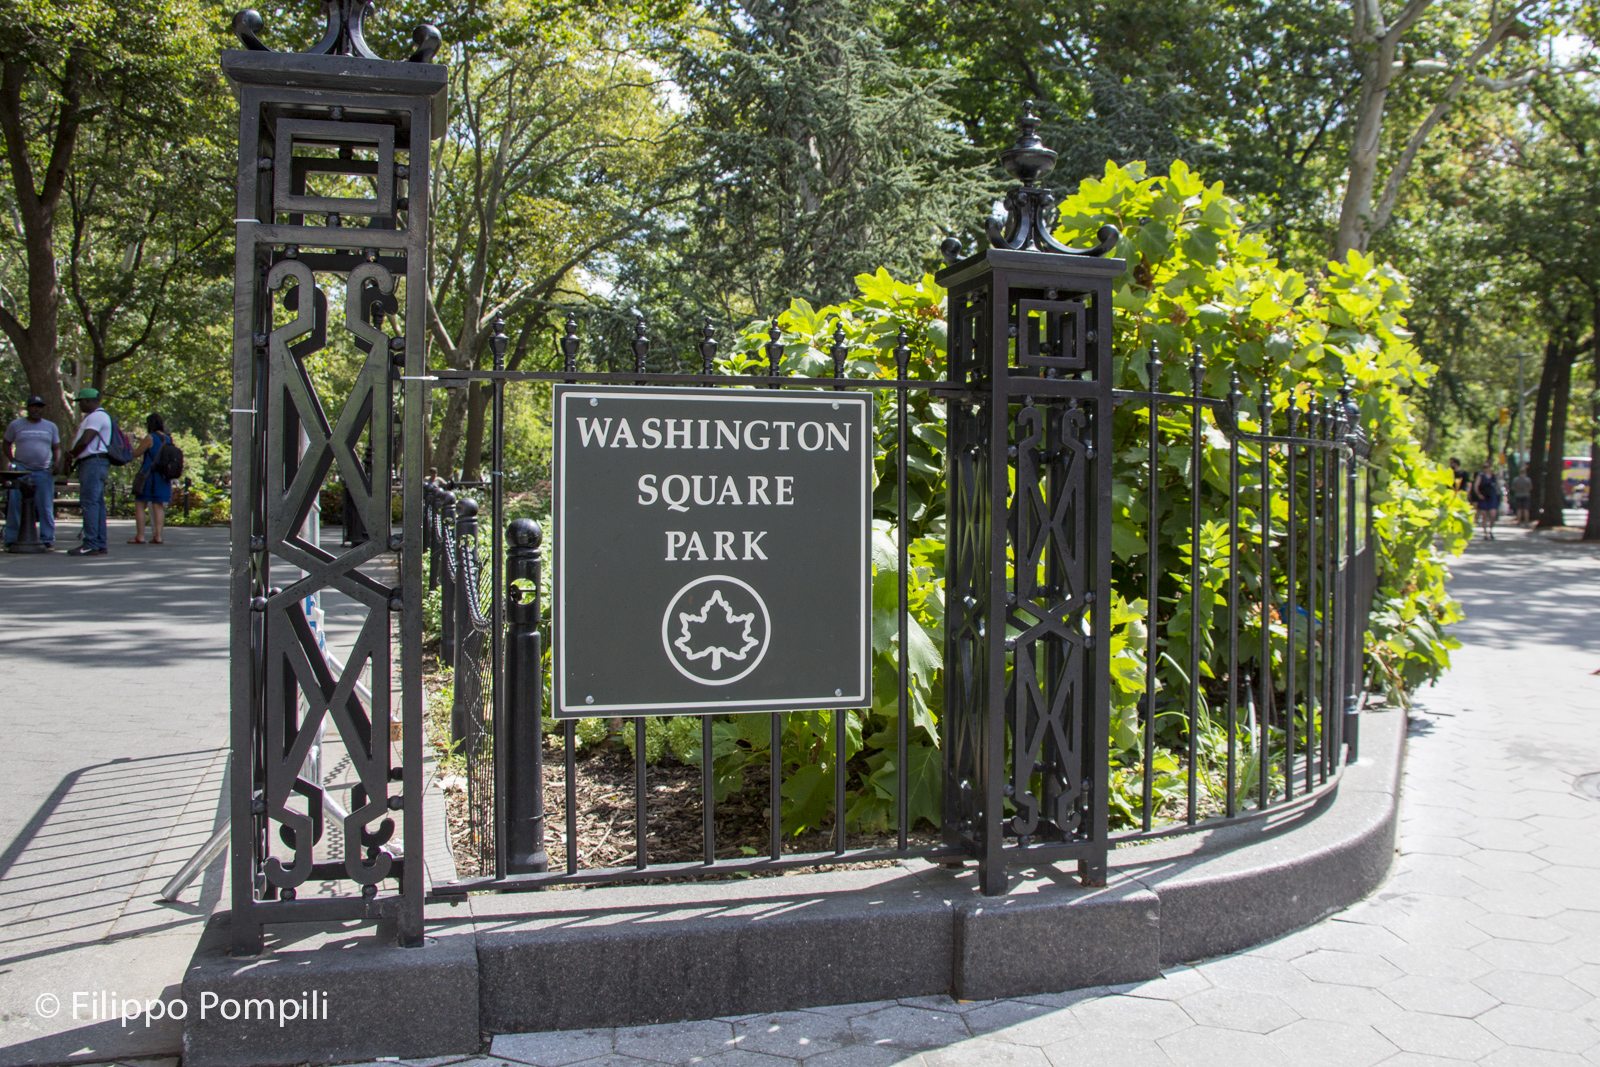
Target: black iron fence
1219 735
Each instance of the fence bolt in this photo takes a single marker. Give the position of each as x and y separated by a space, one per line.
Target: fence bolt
524 803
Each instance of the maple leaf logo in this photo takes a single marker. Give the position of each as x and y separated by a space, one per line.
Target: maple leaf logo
717 635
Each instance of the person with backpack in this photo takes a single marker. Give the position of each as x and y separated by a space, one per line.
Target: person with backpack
152 485
91 450
1485 496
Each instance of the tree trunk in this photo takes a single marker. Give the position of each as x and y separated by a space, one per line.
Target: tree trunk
472 455
449 441
35 205
1548 373
1355 213
1555 451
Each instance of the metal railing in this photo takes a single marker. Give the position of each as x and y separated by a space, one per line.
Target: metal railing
1282 709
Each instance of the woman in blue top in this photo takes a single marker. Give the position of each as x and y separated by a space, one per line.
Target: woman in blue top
156 490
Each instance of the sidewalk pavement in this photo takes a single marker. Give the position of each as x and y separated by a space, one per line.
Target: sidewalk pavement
1483 947
114 723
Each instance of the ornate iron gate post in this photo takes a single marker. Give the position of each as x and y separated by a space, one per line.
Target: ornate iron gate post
354 124
1028 571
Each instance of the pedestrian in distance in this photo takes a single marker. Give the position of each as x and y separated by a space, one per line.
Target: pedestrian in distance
33 444
1521 494
1460 477
90 450
1485 497
151 486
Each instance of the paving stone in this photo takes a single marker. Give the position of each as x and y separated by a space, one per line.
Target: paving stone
1532 1057
1134 1016
554 1049
1557 1031
859 1056
1068 998
850 1011
741 1058
1439 1035
796 1034
1347 968
1586 978
984 1051
1259 1013
1173 984
1354 937
1417 1059
1321 1043
1440 996
945 1002
1022 1022
1342 1003
1108 1050
1521 928
1533 990
1527 956
1251 974
909 1028
1210 1046
675 1042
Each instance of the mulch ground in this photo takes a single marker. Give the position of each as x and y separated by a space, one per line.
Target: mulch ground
607 832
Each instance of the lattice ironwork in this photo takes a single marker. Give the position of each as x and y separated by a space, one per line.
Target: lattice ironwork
286 688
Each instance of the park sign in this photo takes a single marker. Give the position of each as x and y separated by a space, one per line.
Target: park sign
711 550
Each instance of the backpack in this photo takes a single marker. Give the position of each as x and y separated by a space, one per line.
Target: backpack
169 462
119 447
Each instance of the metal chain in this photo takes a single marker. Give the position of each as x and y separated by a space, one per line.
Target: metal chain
474 578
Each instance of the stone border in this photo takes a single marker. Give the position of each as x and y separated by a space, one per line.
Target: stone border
620 956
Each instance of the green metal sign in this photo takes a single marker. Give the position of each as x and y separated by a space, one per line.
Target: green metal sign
711 550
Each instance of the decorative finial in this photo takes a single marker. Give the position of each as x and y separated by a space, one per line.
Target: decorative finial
497 342
1197 372
774 349
708 347
1235 394
839 351
343 36
569 344
640 343
902 353
1030 209
1028 159
1152 368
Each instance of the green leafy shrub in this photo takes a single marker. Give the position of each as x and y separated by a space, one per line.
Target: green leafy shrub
1196 281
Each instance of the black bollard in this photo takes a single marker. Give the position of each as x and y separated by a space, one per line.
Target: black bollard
28 518
524 775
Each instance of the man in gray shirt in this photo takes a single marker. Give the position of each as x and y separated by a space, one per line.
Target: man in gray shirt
33 444
1521 490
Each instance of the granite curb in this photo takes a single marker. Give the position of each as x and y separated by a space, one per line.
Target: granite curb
635 955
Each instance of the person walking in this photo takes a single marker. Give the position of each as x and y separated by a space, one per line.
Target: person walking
150 486
89 449
1521 494
1485 497
33 444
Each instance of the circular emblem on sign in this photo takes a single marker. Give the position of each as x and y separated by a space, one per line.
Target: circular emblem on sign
716 630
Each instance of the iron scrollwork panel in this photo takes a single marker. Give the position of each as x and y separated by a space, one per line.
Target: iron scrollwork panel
1046 695
302 692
